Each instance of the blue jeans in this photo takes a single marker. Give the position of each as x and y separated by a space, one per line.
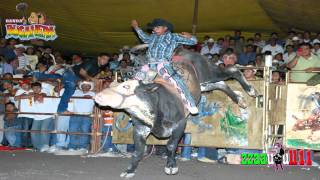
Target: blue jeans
13 137
186 150
62 124
26 124
168 69
39 140
108 146
80 124
210 153
69 80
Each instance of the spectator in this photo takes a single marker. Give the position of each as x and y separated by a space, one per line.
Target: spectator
278 61
249 73
289 55
276 78
210 49
25 119
237 35
126 57
216 59
248 56
226 42
8 76
32 57
305 61
126 71
11 123
258 41
76 64
295 43
114 63
220 42
205 40
8 90
125 50
316 48
24 64
300 37
239 45
40 141
275 36
7 67
273 47
90 69
317 39
307 37
259 61
57 68
81 124
229 58
7 50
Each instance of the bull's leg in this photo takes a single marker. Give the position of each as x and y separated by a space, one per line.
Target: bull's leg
234 73
222 86
140 134
171 167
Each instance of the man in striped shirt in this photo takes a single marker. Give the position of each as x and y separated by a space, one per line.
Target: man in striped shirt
162 44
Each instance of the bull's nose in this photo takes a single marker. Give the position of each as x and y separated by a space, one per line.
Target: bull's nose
97 97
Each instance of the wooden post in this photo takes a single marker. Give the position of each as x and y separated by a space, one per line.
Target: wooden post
96 123
195 17
265 123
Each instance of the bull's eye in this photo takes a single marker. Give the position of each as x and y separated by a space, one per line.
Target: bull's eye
126 86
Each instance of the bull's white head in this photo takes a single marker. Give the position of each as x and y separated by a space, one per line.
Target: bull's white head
118 95
122 96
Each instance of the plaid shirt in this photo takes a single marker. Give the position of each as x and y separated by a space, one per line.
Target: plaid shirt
161 47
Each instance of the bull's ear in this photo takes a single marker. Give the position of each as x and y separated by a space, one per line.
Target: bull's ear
151 88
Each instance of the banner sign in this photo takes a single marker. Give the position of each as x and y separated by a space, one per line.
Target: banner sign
37 26
29 32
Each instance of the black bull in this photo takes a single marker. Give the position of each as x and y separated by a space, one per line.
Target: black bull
156 108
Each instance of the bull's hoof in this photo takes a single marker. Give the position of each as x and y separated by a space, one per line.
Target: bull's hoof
127 175
241 103
171 170
252 92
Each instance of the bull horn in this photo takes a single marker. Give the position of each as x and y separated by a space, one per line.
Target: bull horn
138 47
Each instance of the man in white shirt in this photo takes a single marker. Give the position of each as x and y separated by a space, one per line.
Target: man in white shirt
25 119
210 49
81 123
273 47
24 64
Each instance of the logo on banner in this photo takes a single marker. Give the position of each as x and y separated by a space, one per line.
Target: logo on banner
278 157
35 27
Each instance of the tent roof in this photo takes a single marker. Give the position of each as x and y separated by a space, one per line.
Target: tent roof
104 25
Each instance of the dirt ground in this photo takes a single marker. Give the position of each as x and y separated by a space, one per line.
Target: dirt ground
43 166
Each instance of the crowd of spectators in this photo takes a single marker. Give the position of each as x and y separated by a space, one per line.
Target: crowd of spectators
36 64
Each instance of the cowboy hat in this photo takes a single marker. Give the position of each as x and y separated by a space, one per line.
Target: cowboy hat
251 67
160 22
86 82
125 48
20 46
210 40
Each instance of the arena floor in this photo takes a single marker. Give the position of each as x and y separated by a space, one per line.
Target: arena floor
43 166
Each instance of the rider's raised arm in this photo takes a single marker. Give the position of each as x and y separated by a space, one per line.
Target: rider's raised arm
142 35
185 38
